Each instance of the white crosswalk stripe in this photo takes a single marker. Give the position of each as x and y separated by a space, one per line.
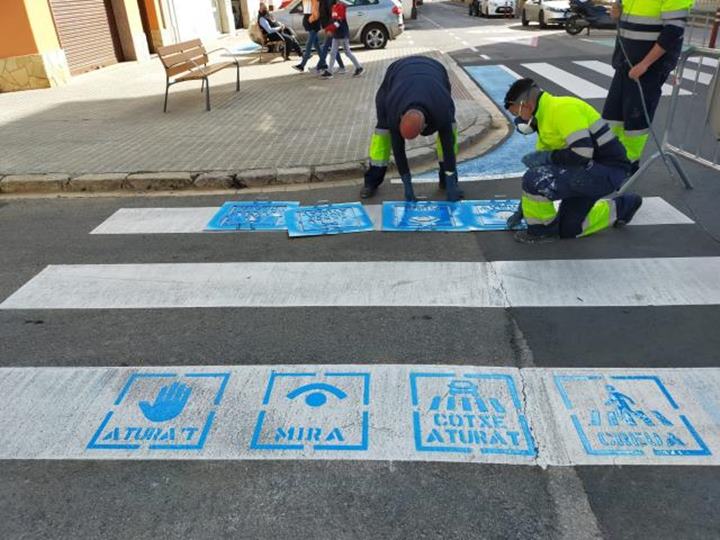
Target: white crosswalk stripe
655 211
385 412
577 85
710 62
606 69
569 283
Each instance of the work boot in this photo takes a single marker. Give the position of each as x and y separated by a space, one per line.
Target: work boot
525 237
368 191
515 220
630 205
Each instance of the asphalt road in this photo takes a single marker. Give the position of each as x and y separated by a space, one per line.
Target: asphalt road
359 499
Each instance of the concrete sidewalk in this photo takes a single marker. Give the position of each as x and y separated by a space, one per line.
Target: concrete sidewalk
106 130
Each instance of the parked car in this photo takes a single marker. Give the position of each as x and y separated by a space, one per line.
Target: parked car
371 22
497 8
545 12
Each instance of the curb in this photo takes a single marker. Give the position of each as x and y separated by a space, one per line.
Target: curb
479 136
143 182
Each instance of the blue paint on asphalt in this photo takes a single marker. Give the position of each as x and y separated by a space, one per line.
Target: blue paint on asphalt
504 160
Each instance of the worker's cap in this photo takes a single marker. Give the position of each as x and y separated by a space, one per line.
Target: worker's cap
519 91
412 124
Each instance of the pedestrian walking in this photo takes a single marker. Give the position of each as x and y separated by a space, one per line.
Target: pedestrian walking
340 36
311 24
578 161
415 98
325 20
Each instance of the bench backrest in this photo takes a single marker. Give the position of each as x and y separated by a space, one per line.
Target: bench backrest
182 57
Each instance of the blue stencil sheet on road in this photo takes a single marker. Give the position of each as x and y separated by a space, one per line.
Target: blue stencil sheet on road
424 216
491 214
504 160
251 216
327 219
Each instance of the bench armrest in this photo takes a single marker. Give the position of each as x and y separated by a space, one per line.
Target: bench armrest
234 57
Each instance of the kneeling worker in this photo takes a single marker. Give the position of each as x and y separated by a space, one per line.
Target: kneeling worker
578 160
413 99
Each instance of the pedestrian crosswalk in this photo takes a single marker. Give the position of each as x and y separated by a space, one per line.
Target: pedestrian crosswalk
441 412
590 79
387 411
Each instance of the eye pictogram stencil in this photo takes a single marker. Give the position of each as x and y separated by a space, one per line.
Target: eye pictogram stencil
314 411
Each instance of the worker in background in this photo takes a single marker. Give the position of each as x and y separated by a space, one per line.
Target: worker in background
647 48
578 161
413 99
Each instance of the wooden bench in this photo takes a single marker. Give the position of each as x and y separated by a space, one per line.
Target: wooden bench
188 61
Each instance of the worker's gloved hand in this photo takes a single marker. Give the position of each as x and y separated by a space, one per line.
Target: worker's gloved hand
537 159
407 185
453 191
515 220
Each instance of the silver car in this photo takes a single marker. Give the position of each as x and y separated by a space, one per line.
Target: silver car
371 22
545 12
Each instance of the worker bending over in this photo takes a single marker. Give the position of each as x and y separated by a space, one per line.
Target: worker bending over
578 160
413 99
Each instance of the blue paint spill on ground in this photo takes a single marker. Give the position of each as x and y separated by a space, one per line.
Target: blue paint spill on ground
504 160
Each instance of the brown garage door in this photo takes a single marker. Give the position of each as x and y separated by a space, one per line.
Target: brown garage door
87 32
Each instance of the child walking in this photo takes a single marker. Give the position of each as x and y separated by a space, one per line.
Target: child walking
341 35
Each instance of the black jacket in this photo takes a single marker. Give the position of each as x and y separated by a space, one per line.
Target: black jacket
326 12
422 83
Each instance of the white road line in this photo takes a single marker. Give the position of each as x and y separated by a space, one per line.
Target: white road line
509 71
573 83
607 69
711 62
691 75
157 220
655 211
428 19
470 414
546 283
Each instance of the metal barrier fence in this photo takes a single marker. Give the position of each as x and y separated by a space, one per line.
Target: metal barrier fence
702 28
692 130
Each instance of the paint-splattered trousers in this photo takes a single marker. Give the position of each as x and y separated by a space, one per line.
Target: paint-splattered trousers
583 210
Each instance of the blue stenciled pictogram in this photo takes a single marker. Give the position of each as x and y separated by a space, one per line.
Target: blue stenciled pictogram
318 411
423 216
469 413
316 393
179 415
251 216
327 219
623 425
169 403
490 214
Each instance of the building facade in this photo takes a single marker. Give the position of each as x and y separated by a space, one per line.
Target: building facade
45 42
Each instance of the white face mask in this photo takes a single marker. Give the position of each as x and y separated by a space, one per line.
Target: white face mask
526 128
